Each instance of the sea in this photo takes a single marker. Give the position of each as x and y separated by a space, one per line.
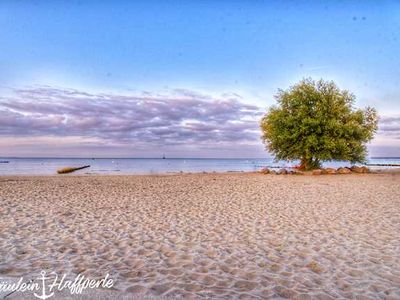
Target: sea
49 166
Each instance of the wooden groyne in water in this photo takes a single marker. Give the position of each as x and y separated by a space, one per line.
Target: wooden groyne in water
70 170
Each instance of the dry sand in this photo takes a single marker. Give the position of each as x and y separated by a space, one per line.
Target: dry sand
208 235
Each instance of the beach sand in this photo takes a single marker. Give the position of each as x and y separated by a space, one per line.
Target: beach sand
247 236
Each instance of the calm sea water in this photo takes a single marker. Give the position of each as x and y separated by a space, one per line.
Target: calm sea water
26 166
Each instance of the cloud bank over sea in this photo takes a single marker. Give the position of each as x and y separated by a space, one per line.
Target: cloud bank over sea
39 118
43 120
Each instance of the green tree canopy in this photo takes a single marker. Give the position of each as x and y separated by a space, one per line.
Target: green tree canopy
315 121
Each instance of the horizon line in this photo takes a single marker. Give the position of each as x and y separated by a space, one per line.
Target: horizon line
160 157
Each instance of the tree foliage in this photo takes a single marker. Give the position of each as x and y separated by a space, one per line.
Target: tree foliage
315 121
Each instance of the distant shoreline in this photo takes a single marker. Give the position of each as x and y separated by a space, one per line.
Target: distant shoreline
135 166
156 174
205 158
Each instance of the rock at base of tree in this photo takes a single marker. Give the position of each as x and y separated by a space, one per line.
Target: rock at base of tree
356 169
343 170
328 171
264 171
317 172
360 170
296 172
365 170
282 172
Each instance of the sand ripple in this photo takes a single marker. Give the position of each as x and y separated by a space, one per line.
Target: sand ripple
242 236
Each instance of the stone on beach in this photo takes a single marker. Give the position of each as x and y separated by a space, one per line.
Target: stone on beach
357 169
317 172
328 171
343 170
365 170
296 172
282 172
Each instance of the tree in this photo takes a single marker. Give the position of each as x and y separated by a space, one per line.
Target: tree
315 121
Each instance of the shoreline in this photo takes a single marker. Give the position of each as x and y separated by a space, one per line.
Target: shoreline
149 166
392 170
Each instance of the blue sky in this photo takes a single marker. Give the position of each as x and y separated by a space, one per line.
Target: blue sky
211 51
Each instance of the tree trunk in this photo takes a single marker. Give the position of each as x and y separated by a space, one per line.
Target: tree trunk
309 164
304 164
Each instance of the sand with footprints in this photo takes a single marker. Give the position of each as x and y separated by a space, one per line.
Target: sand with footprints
230 236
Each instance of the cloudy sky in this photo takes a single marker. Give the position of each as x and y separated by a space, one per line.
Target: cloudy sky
184 78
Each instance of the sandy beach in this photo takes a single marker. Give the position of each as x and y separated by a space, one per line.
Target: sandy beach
231 236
